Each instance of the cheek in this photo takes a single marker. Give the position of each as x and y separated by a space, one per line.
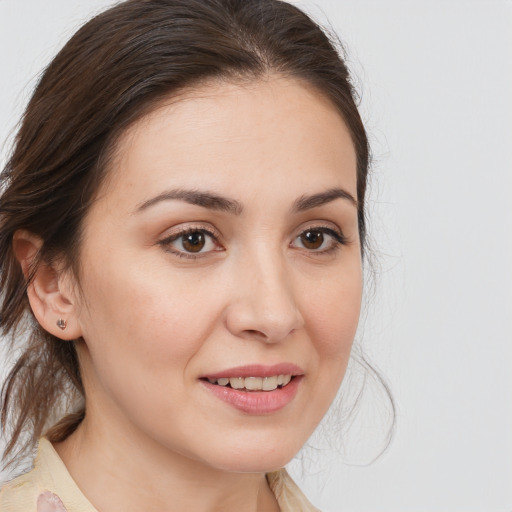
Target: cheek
332 318
141 336
140 325
333 314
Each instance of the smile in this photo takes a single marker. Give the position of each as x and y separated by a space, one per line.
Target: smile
256 389
253 383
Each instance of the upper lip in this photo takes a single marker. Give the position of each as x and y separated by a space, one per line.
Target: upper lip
257 370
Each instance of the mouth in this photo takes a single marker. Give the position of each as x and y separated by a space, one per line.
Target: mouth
252 384
256 389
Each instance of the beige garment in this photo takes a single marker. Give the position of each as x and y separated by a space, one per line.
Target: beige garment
50 474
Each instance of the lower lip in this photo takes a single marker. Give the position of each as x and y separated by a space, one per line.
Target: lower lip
256 402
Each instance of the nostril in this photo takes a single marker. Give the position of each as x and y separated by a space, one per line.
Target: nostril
255 333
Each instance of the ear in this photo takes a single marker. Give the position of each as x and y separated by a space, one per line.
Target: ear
50 292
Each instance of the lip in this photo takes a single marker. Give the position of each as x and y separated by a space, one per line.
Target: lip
256 402
257 370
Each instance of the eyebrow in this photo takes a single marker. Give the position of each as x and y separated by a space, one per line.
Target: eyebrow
196 197
213 201
313 201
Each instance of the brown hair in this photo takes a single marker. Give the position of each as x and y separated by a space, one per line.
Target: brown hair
114 70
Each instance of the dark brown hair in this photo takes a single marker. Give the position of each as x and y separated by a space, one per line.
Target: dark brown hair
114 70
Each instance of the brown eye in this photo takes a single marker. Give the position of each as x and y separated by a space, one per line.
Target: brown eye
193 242
312 239
319 240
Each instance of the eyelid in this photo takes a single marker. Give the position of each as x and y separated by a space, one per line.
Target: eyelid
331 230
328 227
183 229
176 232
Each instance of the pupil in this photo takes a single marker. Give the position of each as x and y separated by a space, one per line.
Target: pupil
312 239
193 242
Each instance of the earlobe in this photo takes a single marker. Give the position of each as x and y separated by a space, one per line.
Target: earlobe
50 299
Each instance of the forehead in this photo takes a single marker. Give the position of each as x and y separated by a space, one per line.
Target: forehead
240 135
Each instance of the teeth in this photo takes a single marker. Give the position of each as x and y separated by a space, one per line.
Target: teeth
254 383
237 382
269 383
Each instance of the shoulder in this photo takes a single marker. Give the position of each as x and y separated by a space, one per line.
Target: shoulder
20 494
288 494
49 480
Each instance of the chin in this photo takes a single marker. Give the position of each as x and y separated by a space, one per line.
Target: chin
262 457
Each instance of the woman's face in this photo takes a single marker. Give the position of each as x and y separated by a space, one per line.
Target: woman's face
222 253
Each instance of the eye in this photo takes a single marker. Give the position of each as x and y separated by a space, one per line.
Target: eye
191 242
319 239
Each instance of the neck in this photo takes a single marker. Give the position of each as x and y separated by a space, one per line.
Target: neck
119 474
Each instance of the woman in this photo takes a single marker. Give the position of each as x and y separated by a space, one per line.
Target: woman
182 234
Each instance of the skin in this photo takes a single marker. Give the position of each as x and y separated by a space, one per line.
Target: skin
153 323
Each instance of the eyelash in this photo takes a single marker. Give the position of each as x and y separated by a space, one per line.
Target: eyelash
166 242
339 239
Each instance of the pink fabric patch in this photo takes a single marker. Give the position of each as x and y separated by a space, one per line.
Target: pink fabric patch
49 502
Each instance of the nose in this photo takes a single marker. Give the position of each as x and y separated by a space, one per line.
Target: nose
263 304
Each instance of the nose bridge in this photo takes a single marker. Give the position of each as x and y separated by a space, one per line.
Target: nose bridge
265 303
271 282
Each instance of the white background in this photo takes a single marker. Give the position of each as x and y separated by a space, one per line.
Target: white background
436 85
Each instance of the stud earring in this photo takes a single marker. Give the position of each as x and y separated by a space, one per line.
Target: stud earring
61 323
